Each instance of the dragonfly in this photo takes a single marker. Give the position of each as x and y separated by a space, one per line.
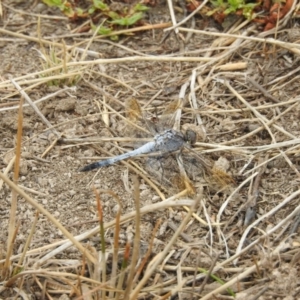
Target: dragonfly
165 141
168 141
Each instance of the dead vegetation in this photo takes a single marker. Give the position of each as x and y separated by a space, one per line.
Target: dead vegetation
116 235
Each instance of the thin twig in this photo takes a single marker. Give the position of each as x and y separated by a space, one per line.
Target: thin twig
35 108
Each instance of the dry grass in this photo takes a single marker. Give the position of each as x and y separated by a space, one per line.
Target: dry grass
248 257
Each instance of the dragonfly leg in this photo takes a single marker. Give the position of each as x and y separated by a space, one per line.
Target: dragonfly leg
162 170
160 159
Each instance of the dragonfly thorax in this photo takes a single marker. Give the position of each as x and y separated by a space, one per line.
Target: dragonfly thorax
168 141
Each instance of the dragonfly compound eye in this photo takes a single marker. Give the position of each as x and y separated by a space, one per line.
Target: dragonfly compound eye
191 136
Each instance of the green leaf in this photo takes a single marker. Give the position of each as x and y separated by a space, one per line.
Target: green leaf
103 30
234 4
57 3
229 10
80 12
140 7
121 21
210 13
127 21
113 15
91 10
114 38
248 11
135 17
100 5
94 27
250 5
68 11
218 3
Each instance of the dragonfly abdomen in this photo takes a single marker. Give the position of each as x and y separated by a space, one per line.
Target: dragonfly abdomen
168 141
147 148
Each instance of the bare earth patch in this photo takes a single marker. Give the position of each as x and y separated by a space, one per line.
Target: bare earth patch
238 89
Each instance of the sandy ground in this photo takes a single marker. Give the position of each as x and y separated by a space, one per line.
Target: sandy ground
87 117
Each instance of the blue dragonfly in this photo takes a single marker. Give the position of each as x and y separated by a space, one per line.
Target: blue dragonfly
167 141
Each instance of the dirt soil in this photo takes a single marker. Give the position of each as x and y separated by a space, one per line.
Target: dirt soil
87 117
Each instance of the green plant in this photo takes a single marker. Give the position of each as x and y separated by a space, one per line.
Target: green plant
124 16
129 17
233 6
66 8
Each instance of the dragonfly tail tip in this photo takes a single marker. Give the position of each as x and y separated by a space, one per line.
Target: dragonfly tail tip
84 169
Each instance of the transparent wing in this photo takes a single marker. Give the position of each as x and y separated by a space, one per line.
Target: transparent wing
215 173
167 118
137 119
135 124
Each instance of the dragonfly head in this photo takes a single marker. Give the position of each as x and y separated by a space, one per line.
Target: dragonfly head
190 137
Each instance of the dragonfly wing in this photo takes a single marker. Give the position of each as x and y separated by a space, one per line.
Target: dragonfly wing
135 125
156 125
133 110
168 118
